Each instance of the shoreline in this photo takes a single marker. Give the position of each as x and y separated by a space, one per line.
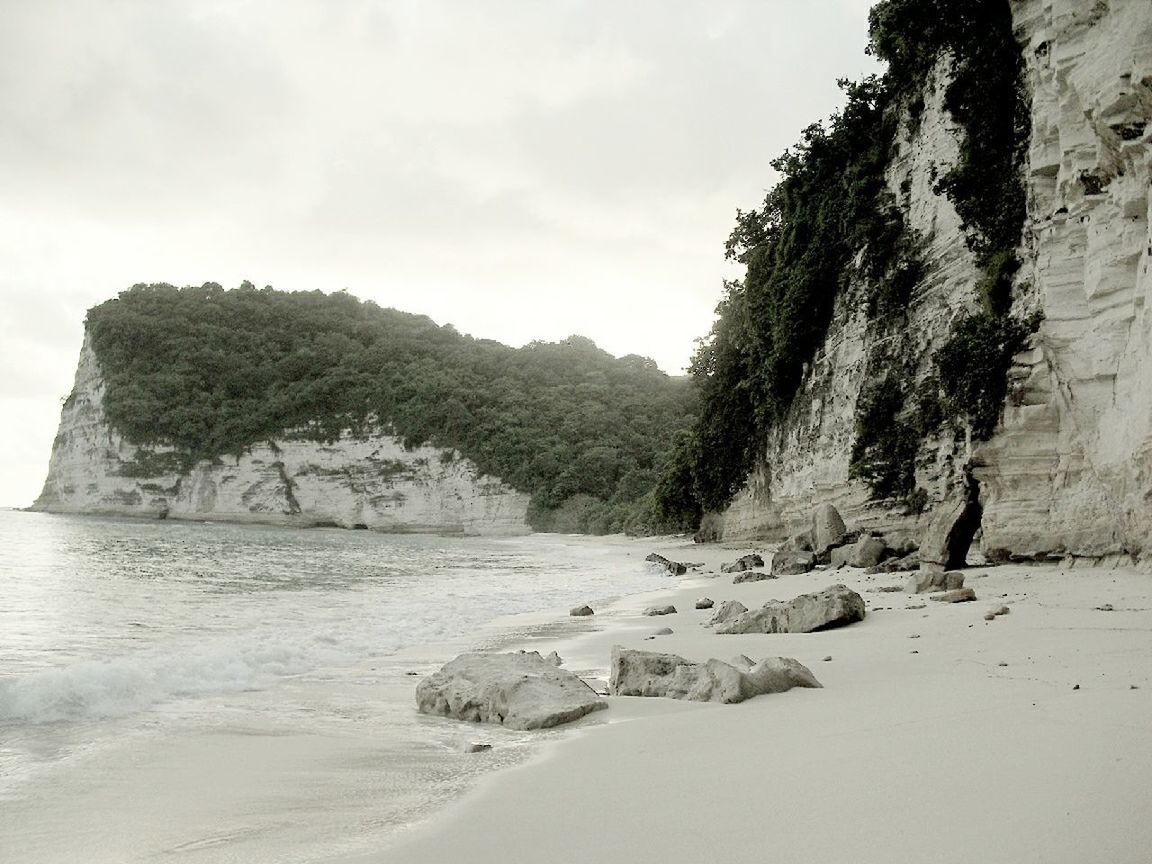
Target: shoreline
938 735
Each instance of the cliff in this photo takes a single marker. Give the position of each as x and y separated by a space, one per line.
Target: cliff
364 481
1067 471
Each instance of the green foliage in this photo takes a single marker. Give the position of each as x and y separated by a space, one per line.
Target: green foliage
831 222
210 372
972 367
884 450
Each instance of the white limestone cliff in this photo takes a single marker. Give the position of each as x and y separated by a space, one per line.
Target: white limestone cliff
367 481
1069 470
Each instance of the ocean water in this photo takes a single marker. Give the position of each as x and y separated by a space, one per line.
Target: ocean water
223 693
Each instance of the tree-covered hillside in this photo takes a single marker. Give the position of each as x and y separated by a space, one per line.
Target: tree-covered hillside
212 371
831 223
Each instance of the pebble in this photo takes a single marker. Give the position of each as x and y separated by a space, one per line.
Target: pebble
1001 663
913 651
1077 687
476 747
1106 607
914 636
826 659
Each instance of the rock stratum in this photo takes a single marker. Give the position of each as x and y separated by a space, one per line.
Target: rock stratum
1068 469
366 481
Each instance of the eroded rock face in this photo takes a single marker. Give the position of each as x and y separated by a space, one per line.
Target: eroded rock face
358 481
1069 470
520 690
835 606
645 673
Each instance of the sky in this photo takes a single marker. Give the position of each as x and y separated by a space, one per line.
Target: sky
520 169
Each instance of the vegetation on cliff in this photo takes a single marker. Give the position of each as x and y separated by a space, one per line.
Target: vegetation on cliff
831 223
211 372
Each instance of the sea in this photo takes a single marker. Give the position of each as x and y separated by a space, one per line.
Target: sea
197 692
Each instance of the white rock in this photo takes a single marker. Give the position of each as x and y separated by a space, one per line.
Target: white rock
520 690
645 673
835 606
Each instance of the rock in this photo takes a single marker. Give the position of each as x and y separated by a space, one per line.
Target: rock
704 603
660 610
997 611
792 563
798 543
673 567
835 606
475 747
889 589
645 673
726 611
1106 607
663 631
827 528
865 552
1076 687
909 562
555 659
827 658
519 690
989 616
745 562
960 595
954 524
581 611
753 576
1001 663
924 582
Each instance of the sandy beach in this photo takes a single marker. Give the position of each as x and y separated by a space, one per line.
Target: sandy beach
938 736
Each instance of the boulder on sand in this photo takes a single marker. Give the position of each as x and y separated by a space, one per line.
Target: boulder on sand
744 562
798 543
646 673
581 611
924 582
944 545
792 563
726 611
865 552
520 690
704 603
660 610
752 576
673 567
960 595
835 606
827 528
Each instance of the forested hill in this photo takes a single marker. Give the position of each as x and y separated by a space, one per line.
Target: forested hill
211 372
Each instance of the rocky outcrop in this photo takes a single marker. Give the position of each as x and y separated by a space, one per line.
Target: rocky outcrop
366 481
1069 470
644 673
835 606
520 690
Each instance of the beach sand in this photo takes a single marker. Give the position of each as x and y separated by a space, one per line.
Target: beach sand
937 737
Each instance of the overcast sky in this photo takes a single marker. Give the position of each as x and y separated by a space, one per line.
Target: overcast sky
522 169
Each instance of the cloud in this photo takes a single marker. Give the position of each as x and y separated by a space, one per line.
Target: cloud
521 169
